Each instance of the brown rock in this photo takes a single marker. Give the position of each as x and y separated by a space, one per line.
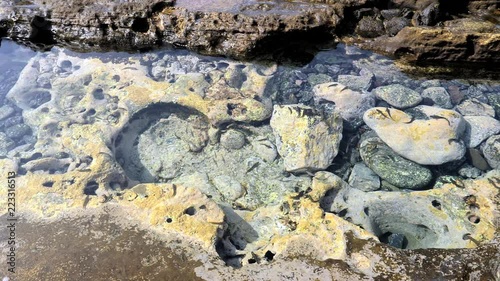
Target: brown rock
216 27
462 40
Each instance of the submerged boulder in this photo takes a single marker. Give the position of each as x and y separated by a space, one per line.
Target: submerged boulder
306 140
398 95
430 136
391 167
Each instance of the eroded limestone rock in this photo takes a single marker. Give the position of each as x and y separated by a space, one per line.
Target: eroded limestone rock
306 140
456 215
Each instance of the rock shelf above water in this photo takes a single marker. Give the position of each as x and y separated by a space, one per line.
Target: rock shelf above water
430 32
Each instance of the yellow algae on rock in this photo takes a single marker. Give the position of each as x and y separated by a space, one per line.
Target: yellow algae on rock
431 138
322 183
306 140
179 209
317 234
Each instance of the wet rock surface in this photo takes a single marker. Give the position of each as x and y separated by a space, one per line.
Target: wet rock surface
305 139
393 168
429 136
262 167
424 31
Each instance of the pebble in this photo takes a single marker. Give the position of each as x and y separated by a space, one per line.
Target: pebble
357 83
479 128
306 140
431 83
315 79
265 149
395 25
6 111
494 101
233 140
16 132
363 178
6 144
228 187
475 93
398 96
473 107
439 96
491 151
350 104
477 160
469 172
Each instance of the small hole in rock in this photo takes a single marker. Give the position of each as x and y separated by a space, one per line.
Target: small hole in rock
342 213
48 184
250 261
396 240
367 211
203 207
116 78
98 94
190 211
445 229
91 188
269 255
466 236
474 219
436 204
66 64
91 112
474 207
168 220
140 25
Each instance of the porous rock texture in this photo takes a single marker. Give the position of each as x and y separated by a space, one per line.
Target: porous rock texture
181 146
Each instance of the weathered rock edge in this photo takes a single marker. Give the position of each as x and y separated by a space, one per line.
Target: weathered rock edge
245 29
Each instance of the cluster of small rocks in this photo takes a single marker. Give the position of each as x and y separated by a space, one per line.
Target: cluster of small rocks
345 144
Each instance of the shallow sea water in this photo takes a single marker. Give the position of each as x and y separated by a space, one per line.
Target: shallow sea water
172 116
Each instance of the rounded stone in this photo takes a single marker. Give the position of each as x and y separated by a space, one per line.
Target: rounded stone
6 144
479 128
370 27
228 187
474 107
6 111
393 168
491 151
233 140
398 95
439 96
363 178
